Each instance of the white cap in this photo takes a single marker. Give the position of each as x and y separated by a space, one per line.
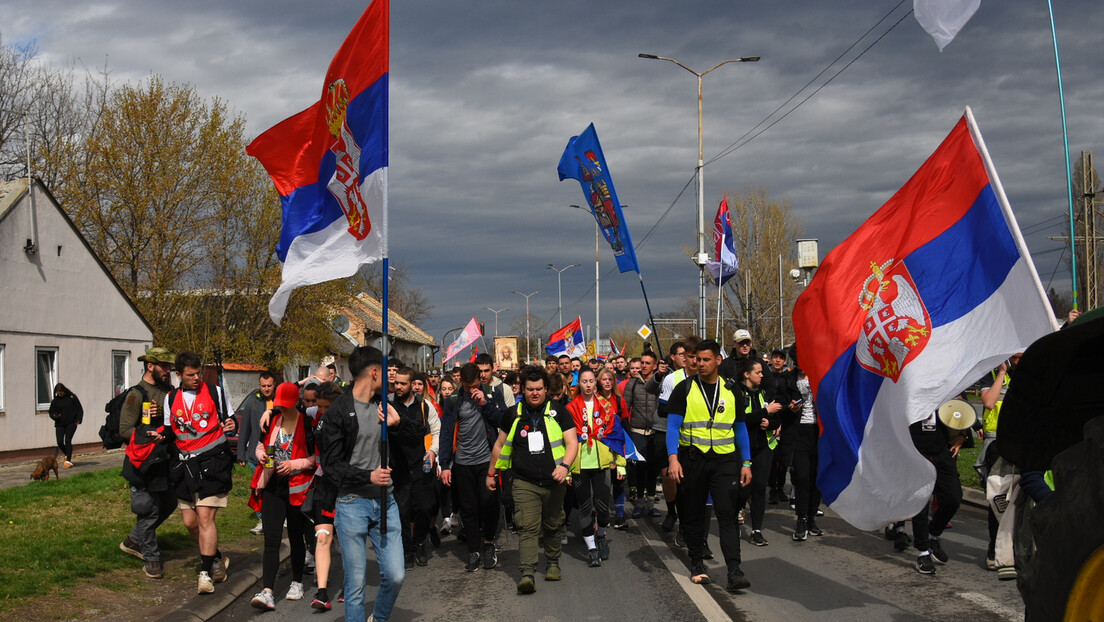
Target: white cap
741 335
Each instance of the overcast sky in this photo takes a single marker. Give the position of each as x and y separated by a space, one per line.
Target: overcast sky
484 96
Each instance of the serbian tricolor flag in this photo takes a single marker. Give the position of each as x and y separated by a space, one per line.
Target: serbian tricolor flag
329 164
932 291
725 265
469 335
567 340
614 351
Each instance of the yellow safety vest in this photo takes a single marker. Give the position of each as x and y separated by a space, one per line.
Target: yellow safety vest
552 430
989 417
709 433
756 401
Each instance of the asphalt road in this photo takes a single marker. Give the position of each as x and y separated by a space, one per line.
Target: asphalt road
844 575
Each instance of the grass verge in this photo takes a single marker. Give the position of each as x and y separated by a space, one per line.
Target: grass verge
61 544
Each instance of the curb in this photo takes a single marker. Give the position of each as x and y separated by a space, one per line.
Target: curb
974 497
203 608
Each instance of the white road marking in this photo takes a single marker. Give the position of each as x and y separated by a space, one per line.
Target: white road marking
698 594
993 606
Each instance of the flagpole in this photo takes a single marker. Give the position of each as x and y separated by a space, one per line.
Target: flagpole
1065 141
651 320
719 267
386 343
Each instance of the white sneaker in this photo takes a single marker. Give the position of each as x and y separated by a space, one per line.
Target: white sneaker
258 530
205 584
295 592
264 601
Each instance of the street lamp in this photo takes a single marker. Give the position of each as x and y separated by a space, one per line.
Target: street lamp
559 289
702 258
528 356
496 312
597 277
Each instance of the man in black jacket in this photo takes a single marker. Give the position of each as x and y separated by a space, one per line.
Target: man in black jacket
151 498
349 441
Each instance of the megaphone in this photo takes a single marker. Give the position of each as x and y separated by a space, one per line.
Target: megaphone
957 414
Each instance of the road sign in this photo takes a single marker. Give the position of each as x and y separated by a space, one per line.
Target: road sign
644 332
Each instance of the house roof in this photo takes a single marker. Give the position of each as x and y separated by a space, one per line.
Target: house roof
369 311
11 192
243 367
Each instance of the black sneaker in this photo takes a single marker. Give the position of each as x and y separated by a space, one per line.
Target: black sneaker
901 541
698 574
820 513
737 580
408 560
758 540
924 564
707 553
619 521
813 529
129 547
473 562
668 524
490 557
937 550
603 547
801 531
593 558
420 556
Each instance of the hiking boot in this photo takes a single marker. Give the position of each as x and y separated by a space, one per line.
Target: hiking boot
526 585
553 573
737 580
603 547
218 569
420 556
593 559
758 540
153 569
321 600
937 550
258 529
473 562
490 557
668 524
205 585
698 573
801 531
130 547
924 563
264 601
813 529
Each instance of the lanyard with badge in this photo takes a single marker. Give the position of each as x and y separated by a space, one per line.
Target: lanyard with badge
713 406
533 435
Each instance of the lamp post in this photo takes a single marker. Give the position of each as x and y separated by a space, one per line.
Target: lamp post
597 277
528 356
559 289
701 258
496 312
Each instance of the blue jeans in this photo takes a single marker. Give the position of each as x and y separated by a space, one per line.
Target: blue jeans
356 519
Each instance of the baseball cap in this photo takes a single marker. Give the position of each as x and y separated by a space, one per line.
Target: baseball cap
287 395
741 335
158 355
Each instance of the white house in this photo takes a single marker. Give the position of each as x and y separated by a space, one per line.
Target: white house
63 318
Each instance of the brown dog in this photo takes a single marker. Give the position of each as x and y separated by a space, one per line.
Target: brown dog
42 471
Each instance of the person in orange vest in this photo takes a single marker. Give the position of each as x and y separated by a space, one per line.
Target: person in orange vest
197 414
286 460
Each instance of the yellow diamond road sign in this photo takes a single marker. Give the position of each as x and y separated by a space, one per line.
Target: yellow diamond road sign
644 332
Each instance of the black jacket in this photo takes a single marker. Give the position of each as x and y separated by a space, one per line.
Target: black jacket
492 410
65 411
336 437
756 434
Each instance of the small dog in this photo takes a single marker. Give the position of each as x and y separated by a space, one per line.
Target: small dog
42 471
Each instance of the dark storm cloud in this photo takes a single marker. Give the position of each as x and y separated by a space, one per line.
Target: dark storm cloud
485 96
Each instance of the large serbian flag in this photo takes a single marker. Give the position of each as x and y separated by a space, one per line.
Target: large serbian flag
329 164
933 290
567 340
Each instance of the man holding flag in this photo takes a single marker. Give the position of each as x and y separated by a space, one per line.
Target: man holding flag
932 290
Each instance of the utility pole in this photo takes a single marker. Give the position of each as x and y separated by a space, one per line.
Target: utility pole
528 356
496 312
1088 238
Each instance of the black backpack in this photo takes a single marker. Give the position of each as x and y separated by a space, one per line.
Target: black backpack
109 431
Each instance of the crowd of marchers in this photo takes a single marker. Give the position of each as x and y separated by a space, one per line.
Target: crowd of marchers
399 459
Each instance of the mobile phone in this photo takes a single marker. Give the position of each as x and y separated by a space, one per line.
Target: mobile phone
798 402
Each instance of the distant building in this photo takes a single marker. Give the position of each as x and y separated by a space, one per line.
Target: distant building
412 345
63 318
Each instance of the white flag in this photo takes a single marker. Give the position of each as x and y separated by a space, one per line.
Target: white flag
944 18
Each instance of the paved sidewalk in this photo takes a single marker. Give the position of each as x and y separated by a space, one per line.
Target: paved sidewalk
19 473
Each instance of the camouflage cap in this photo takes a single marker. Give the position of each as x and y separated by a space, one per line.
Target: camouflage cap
158 355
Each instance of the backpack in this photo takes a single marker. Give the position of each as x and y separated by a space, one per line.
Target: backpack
109 431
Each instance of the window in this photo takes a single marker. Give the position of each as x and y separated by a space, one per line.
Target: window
304 371
120 371
46 376
1 377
